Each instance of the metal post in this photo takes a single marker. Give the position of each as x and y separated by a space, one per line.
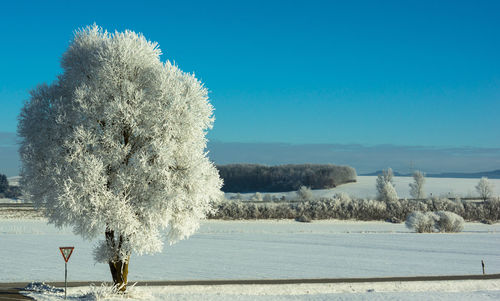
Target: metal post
65 279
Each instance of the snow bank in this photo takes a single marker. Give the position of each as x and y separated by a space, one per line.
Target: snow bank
438 290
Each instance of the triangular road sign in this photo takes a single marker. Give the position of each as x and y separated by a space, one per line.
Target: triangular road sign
66 252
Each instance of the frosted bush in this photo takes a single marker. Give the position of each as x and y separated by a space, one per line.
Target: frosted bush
440 221
257 197
268 198
237 196
421 222
304 193
342 196
449 222
342 207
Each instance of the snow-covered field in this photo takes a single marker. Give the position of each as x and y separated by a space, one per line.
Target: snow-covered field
259 249
270 249
276 249
365 188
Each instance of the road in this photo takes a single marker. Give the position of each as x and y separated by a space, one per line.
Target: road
10 291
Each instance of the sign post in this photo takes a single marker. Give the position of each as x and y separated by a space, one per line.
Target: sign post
66 253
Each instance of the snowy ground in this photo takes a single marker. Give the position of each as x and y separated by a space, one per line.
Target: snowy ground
276 249
269 249
440 290
259 249
365 188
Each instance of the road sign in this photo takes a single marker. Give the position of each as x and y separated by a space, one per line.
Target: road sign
66 252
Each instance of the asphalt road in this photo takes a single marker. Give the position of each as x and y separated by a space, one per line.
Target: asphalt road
10 291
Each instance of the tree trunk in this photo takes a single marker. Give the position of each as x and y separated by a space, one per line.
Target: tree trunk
119 271
117 267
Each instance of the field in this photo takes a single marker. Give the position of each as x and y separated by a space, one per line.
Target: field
275 249
262 249
365 188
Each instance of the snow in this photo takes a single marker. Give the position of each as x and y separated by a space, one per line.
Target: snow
365 188
7 200
438 290
14 181
259 249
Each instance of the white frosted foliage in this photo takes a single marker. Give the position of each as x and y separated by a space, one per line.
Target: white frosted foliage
385 186
484 188
417 187
117 143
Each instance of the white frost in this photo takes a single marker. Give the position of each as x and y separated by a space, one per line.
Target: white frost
117 143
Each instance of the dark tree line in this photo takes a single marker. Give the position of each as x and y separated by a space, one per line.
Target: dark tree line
263 178
7 191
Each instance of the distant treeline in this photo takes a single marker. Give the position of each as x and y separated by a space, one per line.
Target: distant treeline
262 178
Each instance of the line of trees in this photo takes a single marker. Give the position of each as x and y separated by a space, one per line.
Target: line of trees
386 190
255 177
342 207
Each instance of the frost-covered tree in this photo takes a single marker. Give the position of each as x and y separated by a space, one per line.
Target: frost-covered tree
390 192
304 193
385 186
484 188
268 198
257 197
417 187
116 146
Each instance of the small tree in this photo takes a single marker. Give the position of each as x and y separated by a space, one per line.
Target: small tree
4 183
417 187
484 188
116 145
304 193
257 197
390 193
385 186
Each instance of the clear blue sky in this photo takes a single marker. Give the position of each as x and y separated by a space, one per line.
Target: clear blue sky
367 72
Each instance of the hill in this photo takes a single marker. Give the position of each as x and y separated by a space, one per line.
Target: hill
263 178
494 174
